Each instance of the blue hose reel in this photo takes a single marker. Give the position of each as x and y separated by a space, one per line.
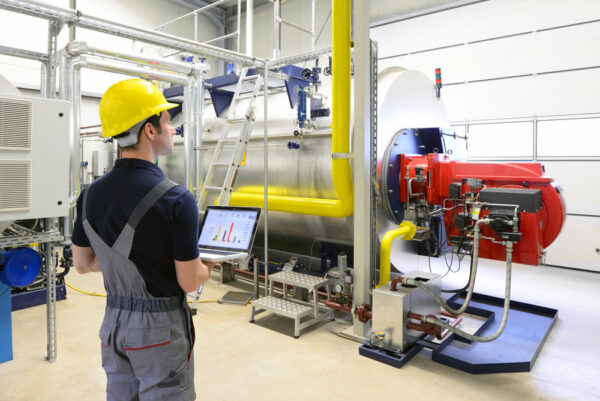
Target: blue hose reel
19 267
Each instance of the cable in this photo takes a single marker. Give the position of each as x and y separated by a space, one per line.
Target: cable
84 292
104 295
5 291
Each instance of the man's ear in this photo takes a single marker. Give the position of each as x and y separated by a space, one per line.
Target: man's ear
148 131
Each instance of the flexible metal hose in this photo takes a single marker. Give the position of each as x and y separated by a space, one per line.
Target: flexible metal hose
469 336
473 274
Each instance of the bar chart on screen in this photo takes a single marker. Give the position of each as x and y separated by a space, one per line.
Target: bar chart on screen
228 228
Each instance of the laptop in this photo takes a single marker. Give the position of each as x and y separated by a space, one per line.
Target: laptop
227 233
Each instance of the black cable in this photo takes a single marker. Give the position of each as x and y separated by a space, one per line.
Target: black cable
5 291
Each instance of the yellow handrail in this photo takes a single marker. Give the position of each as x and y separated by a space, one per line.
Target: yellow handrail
407 230
340 136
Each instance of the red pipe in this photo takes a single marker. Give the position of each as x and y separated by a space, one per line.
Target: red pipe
394 284
334 305
363 313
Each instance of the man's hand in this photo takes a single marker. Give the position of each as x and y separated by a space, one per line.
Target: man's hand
192 273
210 265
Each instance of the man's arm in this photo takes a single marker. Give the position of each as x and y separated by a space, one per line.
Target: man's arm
84 260
192 273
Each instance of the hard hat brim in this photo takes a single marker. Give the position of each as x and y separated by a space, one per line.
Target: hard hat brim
155 110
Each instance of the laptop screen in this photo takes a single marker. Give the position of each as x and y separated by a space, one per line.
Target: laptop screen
228 228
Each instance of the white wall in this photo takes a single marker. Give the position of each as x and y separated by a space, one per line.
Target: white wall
512 118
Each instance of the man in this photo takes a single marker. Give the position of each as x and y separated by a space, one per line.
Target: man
141 230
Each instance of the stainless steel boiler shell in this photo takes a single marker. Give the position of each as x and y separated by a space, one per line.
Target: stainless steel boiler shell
406 100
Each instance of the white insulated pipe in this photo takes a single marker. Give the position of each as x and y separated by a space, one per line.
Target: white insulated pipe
79 48
122 68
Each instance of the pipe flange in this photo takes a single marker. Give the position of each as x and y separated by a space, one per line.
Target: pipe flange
363 313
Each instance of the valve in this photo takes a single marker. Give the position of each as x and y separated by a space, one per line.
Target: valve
293 145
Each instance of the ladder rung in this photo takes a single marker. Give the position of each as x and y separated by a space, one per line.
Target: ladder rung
236 120
212 188
222 164
230 141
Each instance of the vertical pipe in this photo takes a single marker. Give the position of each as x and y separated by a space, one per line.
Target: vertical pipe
75 157
313 35
266 167
199 125
188 136
72 6
277 29
249 26
196 27
239 25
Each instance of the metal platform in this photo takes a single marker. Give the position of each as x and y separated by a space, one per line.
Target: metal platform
295 309
299 280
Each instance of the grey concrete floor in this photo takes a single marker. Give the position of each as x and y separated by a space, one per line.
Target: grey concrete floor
237 360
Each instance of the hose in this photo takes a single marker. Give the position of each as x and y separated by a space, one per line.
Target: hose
471 337
472 275
84 292
104 295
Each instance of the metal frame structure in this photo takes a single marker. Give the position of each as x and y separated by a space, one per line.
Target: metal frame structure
278 21
203 10
58 17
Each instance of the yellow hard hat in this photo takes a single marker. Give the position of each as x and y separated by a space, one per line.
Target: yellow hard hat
128 103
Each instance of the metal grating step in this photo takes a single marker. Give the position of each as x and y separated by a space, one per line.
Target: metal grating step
298 279
282 307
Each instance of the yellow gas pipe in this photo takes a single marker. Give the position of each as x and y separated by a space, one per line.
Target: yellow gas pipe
340 136
407 231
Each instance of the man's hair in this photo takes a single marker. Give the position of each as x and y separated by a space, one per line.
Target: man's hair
154 120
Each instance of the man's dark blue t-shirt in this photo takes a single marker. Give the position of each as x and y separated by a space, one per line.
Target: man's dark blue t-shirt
168 232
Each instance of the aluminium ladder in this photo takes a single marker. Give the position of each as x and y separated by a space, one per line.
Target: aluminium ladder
232 164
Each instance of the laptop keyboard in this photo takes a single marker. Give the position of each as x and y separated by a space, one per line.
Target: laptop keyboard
215 252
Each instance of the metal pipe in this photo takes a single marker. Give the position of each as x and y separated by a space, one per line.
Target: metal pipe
249 27
340 164
298 27
229 35
79 19
22 53
474 263
239 24
407 231
198 132
312 25
121 68
196 27
277 29
188 124
330 303
266 172
506 309
81 48
197 11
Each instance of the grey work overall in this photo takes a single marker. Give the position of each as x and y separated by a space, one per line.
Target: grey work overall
147 342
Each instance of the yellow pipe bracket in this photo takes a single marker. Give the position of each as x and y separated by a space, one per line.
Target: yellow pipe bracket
407 231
